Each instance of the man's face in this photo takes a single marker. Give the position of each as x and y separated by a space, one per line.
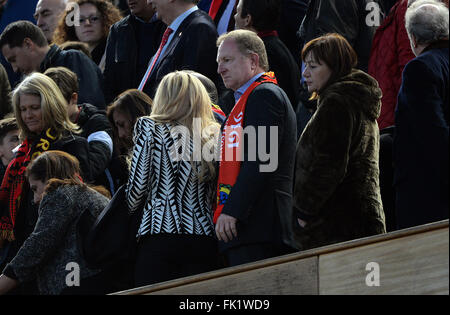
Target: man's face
234 67
139 8
20 58
47 15
240 23
162 7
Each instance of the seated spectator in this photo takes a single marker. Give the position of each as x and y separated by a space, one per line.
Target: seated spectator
47 15
123 114
41 113
176 234
421 152
131 44
93 122
96 17
337 193
5 90
262 17
9 139
24 46
62 197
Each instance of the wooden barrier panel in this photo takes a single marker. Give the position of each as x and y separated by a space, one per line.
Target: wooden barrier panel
416 264
411 261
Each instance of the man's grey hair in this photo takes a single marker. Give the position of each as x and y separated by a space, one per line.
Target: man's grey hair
427 21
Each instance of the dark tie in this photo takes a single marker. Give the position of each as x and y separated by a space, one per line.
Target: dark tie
164 40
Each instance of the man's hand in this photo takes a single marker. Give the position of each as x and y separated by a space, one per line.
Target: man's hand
226 228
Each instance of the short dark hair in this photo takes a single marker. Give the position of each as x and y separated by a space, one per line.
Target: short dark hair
335 51
265 13
7 125
16 32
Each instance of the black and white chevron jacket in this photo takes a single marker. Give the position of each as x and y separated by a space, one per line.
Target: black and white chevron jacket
176 202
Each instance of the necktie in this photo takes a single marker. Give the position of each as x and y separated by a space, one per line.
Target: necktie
164 40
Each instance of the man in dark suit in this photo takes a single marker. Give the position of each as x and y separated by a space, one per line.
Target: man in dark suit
261 17
131 43
187 44
421 152
254 211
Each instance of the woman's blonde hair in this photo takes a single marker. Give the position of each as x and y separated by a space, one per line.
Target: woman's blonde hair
53 105
181 98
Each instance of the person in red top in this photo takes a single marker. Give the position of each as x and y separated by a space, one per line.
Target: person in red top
391 51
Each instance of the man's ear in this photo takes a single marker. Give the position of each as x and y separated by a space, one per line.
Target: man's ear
254 57
248 21
28 43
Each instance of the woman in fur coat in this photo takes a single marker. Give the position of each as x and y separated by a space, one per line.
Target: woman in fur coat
337 192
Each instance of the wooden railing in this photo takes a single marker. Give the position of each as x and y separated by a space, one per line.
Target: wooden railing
410 261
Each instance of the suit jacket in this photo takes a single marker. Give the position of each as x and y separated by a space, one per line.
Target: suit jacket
285 67
262 201
421 152
193 47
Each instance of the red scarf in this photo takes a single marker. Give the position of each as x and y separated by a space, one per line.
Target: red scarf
12 185
231 146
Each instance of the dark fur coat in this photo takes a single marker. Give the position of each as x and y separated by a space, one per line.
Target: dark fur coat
337 188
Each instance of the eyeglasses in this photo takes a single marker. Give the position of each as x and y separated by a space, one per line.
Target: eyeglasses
92 19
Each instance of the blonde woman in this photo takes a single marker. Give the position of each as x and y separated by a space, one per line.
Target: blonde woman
173 177
41 113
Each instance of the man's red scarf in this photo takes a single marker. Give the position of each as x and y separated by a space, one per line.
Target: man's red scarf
232 145
14 179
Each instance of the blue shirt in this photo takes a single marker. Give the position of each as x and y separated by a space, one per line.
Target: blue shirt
239 92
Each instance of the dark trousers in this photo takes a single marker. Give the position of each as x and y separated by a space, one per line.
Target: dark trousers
250 253
165 257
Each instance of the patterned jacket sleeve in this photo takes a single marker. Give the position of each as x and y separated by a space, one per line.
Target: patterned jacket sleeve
137 188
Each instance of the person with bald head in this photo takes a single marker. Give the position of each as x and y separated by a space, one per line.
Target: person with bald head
421 152
47 15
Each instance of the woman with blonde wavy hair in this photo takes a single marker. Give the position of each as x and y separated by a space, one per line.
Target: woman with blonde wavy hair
173 177
41 113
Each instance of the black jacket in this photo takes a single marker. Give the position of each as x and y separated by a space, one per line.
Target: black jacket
193 47
121 67
345 17
262 201
90 77
93 120
285 67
